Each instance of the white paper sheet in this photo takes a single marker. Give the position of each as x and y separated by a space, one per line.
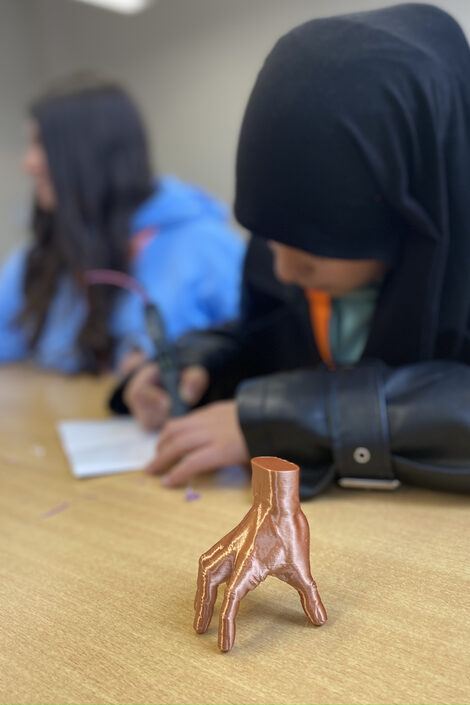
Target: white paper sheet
106 446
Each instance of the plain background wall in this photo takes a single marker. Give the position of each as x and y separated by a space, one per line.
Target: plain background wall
16 84
189 63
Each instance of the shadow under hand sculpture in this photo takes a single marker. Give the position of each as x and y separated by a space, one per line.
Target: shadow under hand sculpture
272 539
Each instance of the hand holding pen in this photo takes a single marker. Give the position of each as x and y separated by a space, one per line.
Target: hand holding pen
151 405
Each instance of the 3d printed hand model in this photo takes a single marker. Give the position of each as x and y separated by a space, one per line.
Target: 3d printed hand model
272 539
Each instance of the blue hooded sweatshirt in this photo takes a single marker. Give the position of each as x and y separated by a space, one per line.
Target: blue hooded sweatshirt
190 264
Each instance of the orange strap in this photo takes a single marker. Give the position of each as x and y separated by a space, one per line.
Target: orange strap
320 316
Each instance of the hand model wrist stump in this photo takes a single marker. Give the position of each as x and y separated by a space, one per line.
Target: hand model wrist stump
272 539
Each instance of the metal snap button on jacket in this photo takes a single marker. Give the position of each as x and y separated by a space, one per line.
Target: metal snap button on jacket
361 455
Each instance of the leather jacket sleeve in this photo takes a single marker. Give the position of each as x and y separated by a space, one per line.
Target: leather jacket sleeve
365 423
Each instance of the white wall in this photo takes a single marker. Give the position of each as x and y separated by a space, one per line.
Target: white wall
189 63
16 83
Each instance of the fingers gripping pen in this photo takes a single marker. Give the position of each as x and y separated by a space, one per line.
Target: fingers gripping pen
169 371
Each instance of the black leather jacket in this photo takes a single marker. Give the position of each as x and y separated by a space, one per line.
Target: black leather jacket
367 425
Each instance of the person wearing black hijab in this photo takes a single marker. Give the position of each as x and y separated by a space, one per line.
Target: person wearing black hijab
354 161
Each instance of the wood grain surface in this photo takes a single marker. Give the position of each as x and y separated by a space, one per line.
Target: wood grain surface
97 582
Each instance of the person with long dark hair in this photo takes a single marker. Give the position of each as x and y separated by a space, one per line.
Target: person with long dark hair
97 205
352 357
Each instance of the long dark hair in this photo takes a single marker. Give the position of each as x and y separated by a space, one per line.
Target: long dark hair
98 161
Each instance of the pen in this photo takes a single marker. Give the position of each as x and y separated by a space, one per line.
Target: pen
169 370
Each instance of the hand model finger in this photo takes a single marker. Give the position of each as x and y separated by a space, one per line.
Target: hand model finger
312 604
306 586
215 567
239 584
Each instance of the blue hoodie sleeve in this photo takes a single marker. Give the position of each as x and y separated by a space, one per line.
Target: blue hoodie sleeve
191 267
217 297
193 274
13 343
194 278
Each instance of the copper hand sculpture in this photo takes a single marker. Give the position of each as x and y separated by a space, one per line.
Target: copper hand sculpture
272 539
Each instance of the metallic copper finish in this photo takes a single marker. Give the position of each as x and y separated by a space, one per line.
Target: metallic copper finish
272 539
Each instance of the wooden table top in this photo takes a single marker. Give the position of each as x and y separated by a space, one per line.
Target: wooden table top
97 582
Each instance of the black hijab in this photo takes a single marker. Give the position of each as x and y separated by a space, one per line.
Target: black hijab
356 144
